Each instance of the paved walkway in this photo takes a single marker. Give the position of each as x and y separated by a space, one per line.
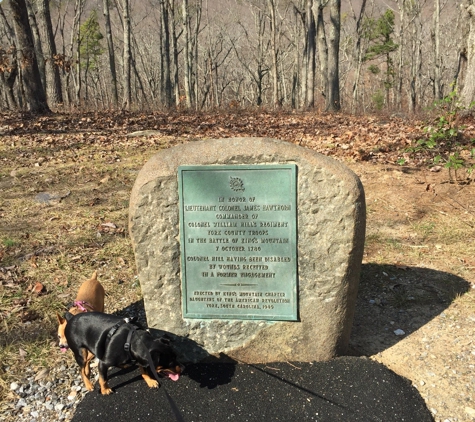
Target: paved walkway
347 389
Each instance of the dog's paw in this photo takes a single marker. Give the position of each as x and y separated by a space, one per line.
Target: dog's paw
106 391
152 383
89 386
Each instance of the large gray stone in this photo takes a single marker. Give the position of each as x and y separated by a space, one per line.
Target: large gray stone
331 229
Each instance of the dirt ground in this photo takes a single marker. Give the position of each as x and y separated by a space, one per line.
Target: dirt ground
418 277
416 303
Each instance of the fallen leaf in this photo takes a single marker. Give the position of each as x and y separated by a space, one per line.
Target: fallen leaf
39 288
33 262
42 374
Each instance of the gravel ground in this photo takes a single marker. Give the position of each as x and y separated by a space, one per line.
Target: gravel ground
50 396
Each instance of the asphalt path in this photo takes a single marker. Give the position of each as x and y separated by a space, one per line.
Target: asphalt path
346 389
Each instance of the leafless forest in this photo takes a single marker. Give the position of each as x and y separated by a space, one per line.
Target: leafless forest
358 55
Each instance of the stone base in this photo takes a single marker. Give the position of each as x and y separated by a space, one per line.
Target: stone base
331 229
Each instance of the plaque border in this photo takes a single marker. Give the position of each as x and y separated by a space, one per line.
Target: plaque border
294 316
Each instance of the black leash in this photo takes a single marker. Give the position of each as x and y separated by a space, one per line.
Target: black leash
174 407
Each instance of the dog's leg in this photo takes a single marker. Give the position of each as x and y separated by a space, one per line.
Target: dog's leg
152 383
105 389
85 369
87 365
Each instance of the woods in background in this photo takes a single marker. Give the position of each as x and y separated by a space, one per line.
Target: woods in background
359 55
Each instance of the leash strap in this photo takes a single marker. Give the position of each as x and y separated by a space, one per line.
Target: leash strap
174 407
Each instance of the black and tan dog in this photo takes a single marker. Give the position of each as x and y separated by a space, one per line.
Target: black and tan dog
115 341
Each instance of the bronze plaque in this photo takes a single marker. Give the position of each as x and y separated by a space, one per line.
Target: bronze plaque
238 234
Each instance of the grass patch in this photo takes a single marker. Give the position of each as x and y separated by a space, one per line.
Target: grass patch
8 243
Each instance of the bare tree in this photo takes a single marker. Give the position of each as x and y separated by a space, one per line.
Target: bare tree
333 101
54 94
467 95
256 65
359 51
309 55
75 49
167 97
274 53
110 49
188 72
322 48
8 63
436 38
36 41
126 102
34 93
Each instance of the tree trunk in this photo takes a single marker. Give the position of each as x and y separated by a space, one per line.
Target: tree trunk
436 37
54 94
75 45
274 53
186 53
37 41
194 43
166 60
322 51
402 45
176 85
467 96
359 53
10 74
333 101
110 48
35 97
126 102
308 79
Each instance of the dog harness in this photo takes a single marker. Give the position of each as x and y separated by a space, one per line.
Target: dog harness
132 329
129 336
81 304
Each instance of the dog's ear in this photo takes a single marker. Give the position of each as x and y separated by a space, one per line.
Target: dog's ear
68 316
61 320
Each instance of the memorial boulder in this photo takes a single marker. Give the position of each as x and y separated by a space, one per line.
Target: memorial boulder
249 247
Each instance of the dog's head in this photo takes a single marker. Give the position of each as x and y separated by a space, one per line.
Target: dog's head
62 321
165 360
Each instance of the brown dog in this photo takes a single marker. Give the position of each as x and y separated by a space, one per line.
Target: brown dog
90 298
